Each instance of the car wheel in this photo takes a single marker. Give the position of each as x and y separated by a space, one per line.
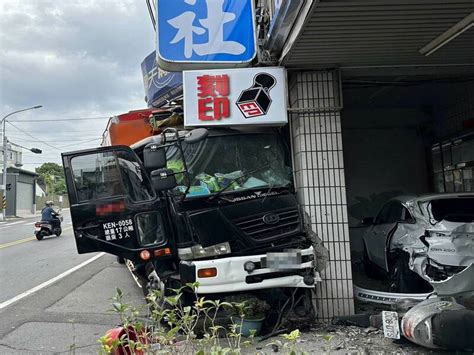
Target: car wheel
402 279
370 268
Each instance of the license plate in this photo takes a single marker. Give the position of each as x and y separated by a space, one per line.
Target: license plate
391 327
290 259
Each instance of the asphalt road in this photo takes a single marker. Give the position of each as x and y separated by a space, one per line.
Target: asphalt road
52 298
26 262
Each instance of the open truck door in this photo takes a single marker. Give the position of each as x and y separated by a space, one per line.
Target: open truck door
114 207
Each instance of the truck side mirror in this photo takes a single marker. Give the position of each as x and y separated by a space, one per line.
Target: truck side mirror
196 135
163 179
154 157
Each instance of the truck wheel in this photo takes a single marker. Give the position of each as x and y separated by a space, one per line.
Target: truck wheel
402 279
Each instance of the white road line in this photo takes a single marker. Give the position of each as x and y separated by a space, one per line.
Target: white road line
12 224
49 282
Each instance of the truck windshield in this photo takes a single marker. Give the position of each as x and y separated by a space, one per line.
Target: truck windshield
255 160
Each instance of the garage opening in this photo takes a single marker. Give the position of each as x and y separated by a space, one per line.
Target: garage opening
403 137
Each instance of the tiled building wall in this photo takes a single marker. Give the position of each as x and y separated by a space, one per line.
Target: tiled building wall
315 122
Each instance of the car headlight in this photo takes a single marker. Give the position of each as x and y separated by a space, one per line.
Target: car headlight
197 251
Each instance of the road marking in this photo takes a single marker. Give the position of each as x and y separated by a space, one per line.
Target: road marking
49 282
12 224
20 241
28 223
15 242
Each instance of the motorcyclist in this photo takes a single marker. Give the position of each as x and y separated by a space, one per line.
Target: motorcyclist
48 214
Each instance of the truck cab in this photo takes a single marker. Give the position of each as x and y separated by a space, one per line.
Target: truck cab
216 207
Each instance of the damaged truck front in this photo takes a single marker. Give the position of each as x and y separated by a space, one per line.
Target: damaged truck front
444 255
215 207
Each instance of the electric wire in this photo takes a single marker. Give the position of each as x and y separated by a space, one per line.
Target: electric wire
66 119
25 132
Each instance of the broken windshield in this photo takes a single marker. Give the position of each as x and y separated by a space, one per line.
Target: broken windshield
233 163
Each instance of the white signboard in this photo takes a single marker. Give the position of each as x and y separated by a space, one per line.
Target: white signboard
235 97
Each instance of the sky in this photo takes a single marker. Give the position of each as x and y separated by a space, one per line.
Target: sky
78 59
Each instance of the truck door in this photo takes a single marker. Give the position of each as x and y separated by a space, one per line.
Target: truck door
114 207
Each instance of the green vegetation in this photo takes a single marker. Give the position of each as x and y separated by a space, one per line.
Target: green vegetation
166 325
52 176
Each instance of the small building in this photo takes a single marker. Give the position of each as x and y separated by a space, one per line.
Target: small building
21 186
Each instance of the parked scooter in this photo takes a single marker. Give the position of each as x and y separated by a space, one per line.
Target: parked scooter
46 228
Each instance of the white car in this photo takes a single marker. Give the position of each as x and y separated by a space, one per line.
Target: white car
421 240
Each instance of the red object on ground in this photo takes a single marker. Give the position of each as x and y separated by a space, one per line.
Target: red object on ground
117 332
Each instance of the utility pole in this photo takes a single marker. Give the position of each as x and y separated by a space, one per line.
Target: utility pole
5 156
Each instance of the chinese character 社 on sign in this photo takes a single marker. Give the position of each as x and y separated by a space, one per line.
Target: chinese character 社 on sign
213 101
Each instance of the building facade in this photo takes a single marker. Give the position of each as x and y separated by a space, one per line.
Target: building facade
381 104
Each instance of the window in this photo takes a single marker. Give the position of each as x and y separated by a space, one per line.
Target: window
110 174
395 212
150 228
383 215
390 213
135 181
406 216
452 164
453 209
96 176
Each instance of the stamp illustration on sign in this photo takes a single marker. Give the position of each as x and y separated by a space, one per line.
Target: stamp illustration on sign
255 101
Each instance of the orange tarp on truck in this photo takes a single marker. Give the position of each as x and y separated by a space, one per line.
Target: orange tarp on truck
128 128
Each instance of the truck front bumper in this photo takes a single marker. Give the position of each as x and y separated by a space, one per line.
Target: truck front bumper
231 275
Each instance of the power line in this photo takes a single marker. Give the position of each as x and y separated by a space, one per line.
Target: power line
81 142
56 141
66 119
49 145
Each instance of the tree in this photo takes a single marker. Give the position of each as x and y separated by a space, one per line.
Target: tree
52 175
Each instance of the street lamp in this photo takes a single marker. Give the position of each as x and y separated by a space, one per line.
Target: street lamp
33 150
4 140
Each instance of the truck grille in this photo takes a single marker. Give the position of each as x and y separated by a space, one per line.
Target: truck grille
255 227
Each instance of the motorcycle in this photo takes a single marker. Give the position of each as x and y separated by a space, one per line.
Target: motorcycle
46 228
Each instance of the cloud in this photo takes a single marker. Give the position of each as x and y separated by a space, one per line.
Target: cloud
77 59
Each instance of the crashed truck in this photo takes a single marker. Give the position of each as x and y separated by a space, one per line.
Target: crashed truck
424 241
215 207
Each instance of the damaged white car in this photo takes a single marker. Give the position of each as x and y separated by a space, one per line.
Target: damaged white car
422 243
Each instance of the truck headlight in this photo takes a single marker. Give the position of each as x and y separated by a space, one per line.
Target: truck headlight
197 251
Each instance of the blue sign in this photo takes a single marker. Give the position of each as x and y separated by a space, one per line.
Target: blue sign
160 86
205 32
